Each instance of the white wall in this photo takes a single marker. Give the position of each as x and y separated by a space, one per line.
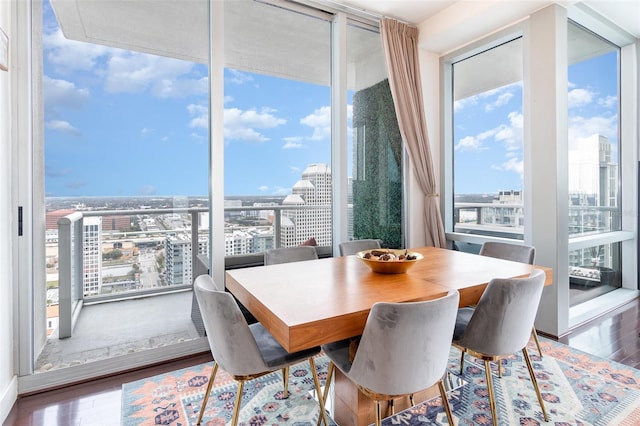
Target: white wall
8 378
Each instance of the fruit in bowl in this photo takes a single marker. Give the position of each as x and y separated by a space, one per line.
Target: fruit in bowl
389 261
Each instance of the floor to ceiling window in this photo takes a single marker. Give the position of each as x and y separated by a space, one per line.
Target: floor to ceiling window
375 145
594 163
277 127
126 147
278 179
487 143
126 166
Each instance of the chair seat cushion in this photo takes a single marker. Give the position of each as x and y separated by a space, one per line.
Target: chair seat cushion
273 354
462 320
338 353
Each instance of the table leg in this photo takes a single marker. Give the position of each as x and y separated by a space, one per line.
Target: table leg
352 408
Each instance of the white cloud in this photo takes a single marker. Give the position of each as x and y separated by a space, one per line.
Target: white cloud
508 134
124 71
320 121
513 164
295 170
469 143
511 135
62 126
145 131
292 142
583 127
242 125
608 102
68 56
59 94
133 72
580 97
263 188
501 100
238 77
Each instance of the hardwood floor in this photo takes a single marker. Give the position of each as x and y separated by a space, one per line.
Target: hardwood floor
613 336
95 403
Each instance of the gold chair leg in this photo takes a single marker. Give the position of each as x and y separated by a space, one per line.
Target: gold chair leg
378 413
392 407
492 400
285 380
445 402
535 382
236 405
411 401
316 382
500 368
206 395
327 382
535 337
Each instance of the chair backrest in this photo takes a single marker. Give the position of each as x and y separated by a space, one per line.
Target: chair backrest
503 318
232 344
348 248
289 254
516 252
405 346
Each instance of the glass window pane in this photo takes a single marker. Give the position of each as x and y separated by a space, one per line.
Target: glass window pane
488 151
594 159
375 144
277 132
594 271
594 154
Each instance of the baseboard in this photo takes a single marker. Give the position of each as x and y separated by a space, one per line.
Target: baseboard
9 396
85 372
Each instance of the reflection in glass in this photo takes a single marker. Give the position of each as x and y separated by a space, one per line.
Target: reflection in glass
594 271
376 197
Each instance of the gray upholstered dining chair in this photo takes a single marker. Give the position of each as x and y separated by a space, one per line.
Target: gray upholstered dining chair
348 248
404 349
500 325
289 254
517 253
244 351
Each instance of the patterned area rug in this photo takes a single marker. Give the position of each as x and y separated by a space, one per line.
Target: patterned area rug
175 398
578 389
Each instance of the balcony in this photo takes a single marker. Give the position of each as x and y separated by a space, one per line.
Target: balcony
144 298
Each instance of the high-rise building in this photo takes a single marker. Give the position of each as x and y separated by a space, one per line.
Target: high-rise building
593 196
179 266
312 190
92 255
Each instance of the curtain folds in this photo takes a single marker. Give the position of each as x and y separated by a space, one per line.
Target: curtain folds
400 43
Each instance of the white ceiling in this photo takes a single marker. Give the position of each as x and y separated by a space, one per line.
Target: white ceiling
624 13
448 24
176 27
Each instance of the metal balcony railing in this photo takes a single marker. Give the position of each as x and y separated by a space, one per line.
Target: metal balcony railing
71 249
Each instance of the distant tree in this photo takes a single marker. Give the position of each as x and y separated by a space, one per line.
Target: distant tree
112 255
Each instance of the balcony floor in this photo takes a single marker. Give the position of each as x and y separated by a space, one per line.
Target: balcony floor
122 327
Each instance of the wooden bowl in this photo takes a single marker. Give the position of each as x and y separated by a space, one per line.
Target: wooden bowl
392 266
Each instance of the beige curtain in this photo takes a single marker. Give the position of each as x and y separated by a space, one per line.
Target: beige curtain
400 44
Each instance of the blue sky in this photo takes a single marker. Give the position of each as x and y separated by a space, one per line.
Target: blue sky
489 126
121 123
126 123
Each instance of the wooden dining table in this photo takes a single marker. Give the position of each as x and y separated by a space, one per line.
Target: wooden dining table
310 303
